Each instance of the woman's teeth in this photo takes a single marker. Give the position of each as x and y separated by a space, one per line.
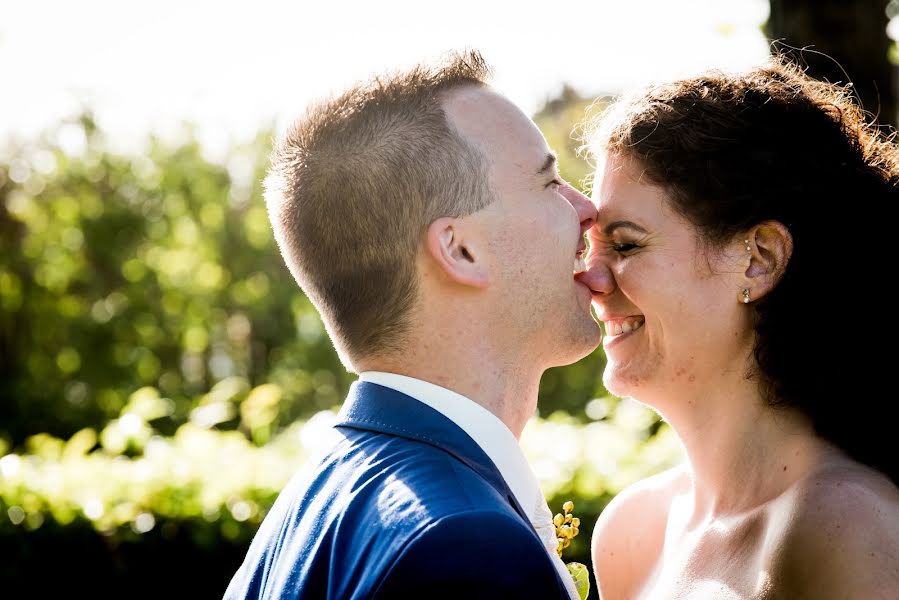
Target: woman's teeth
619 327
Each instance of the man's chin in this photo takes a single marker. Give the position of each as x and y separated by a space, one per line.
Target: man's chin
583 340
584 295
593 337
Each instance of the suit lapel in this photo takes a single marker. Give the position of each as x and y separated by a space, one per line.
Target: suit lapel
373 407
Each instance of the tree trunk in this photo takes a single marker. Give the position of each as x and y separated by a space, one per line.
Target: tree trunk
845 41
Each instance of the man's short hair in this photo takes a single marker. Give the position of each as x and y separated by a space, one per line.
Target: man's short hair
354 184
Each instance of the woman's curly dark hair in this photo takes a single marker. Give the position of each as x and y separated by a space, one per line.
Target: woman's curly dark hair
735 149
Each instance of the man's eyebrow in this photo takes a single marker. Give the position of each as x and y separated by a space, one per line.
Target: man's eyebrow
548 164
611 227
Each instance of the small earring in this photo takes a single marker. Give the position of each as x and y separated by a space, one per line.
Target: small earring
745 295
748 247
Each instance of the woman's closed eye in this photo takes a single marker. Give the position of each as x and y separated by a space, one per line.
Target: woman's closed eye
623 247
615 242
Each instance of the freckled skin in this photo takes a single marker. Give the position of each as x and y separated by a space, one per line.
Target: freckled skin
670 280
757 509
791 547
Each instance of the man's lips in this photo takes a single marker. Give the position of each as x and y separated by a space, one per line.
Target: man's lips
580 263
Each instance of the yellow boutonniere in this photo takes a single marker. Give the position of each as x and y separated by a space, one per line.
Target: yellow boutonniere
567 527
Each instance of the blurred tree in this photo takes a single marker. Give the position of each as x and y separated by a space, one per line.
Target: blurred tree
561 119
118 272
159 269
846 41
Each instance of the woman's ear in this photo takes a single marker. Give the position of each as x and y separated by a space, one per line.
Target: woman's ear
457 252
768 247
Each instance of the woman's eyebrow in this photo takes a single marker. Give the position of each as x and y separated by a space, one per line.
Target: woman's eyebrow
611 227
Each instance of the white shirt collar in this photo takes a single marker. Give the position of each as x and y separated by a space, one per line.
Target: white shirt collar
485 428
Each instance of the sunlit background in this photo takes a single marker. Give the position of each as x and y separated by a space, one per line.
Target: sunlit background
229 68
161 376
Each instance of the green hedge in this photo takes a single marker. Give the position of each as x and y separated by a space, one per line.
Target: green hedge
127 504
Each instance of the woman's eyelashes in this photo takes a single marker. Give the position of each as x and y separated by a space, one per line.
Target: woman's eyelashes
623 247
610 248
607 246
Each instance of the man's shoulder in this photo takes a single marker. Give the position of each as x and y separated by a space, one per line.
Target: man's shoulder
376 487
481 553
402 467
344 522
483 527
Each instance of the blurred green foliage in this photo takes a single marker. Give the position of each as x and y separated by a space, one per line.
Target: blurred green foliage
159 269
162 376
205 489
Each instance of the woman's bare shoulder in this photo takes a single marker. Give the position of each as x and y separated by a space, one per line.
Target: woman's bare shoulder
628 536
841 534
845 493
652 494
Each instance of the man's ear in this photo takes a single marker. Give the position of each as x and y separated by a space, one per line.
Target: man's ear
768 247
458 255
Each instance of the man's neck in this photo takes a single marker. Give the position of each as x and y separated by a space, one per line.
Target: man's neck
505 389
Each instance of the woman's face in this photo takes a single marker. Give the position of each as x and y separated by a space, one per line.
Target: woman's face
670 309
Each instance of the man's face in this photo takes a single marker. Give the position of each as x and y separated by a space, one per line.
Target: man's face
534 230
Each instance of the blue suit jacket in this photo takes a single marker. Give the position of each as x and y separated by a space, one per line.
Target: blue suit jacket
405 505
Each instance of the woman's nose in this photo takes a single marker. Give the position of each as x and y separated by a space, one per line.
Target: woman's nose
598 276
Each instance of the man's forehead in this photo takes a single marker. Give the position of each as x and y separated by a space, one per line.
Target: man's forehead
495 124
479 111
471 96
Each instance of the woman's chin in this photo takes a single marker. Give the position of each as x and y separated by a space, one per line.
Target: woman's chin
615 385
624 383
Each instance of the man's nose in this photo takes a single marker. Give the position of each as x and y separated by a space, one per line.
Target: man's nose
586 211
